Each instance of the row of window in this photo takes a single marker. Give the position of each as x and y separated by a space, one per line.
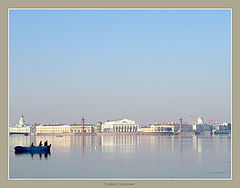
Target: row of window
125 128
62 130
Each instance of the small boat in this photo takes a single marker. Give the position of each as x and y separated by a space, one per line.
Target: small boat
58 136
34 149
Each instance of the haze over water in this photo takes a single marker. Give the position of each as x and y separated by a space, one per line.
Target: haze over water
132 156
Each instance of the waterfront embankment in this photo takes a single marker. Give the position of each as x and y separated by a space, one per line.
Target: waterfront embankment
204 133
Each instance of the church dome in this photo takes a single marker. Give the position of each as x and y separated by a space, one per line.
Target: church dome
200 121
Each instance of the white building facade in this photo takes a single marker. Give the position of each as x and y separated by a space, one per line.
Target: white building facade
200 121
199 126
54 128
124 125
21 122
26 129
21 127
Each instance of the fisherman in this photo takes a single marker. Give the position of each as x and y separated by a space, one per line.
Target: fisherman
40 143
32 145
46 143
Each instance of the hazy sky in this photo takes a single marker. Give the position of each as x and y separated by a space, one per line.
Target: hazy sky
145 65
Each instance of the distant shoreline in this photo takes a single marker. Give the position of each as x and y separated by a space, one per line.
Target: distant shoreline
204 133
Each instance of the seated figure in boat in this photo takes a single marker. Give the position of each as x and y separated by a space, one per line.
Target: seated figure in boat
40 143
32 145
46 143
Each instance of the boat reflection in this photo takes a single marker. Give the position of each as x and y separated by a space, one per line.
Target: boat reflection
46 155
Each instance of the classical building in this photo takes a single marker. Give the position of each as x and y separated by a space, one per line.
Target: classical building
61 128
124 125
21 128
77 128
158 128
21 122
53 128
201 126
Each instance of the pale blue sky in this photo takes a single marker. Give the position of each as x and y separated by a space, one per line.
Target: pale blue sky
145 65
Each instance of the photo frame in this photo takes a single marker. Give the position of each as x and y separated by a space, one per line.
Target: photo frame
138 183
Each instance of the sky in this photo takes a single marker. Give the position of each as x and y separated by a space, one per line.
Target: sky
145 65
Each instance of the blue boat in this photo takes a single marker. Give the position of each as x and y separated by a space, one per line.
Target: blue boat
34 149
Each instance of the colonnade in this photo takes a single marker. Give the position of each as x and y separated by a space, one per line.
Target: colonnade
125 128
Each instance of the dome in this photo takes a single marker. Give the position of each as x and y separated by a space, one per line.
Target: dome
200 121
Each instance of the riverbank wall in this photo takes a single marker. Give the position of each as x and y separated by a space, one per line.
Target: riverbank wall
63 134
204 133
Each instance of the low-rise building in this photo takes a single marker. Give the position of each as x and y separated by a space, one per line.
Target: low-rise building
53 128
222 127
21 128
98 127
62 128
187 128
198 128
160 128
208 127
15 130
77 128
124 125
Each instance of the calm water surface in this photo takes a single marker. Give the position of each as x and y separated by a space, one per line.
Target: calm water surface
123 157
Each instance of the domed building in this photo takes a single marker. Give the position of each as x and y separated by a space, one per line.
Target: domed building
199 126
200 121
21 128
21 122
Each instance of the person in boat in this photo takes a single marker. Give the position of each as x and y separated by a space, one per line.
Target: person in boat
46 143
40 143
32 145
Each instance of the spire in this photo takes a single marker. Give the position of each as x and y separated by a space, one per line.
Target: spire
21 121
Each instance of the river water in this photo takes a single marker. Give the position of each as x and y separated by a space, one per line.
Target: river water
130 156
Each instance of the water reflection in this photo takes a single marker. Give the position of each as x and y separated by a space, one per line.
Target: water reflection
172 143
45 155
198 147
181 143
123 143
123 156
22 140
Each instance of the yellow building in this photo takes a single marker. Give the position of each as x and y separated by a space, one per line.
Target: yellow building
89 129
158 128
144 129
59 128
53 128
78 129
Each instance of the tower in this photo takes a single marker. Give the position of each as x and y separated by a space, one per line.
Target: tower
180 124
21 121
82 124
